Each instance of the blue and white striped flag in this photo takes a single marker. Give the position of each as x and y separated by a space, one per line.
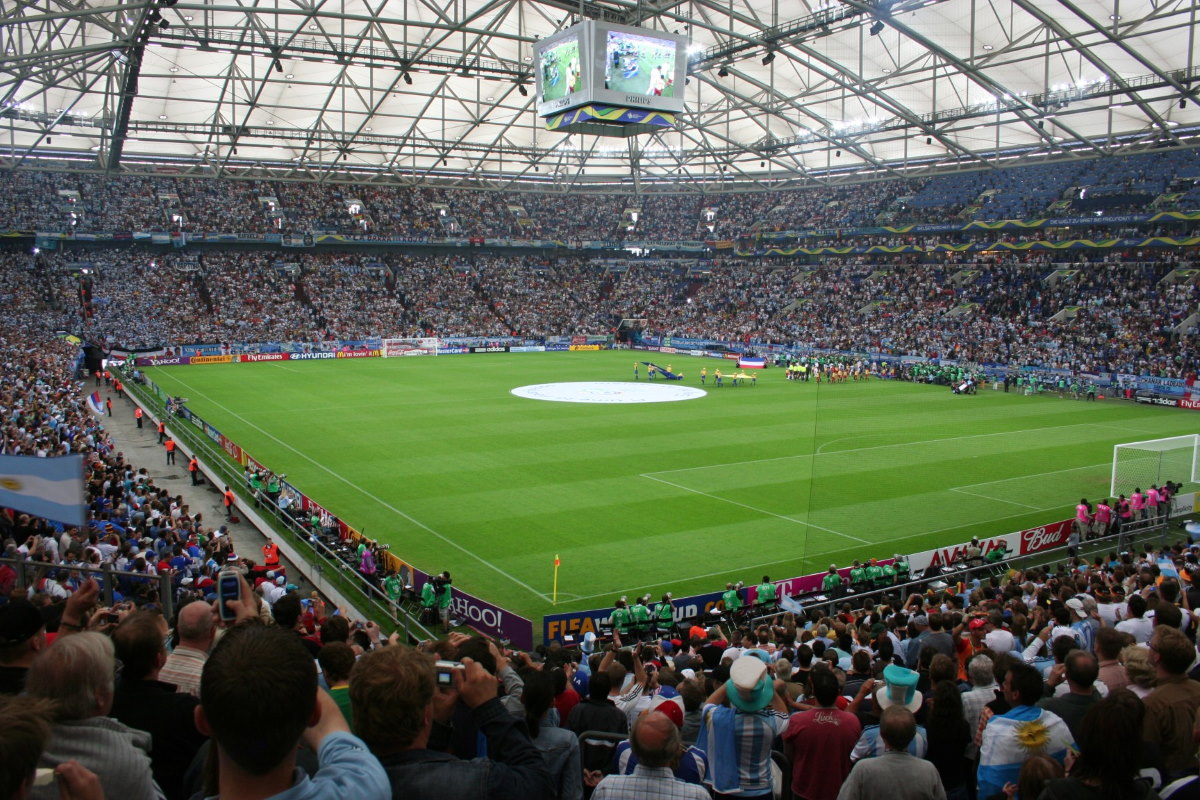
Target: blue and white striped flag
1012 738
47 487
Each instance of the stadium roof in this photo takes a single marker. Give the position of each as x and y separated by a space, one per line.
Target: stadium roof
318 89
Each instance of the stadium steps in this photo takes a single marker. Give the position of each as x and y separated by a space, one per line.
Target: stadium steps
1190 324
965 277
1059 275
962 309
874 308
1176 276
795 305
1067 314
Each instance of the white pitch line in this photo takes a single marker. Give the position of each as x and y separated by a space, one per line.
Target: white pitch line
1036 475
753 508
996 499
368 494
873 447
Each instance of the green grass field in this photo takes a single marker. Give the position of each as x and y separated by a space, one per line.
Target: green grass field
436 457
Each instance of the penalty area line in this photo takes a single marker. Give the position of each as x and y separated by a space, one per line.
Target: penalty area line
993 499
368 494
793 520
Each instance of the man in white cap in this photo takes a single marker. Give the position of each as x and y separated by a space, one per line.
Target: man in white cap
273 589
739 724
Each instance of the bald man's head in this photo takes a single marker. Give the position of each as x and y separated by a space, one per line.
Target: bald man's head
655 740
195 626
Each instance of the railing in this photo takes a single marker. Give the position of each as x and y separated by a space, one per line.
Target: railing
30 573
1156 529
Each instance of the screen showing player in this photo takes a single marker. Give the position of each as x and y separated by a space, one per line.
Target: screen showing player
639 64
561 70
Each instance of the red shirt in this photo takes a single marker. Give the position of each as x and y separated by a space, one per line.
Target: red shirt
821 741
565 702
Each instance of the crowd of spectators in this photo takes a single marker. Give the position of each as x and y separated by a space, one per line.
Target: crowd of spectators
89 203
1019 310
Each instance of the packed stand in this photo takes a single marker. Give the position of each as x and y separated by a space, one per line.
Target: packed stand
92 203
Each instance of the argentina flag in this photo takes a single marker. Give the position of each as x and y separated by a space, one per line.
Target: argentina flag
46 487
1012 738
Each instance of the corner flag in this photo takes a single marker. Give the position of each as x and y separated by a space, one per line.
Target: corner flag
48 487
554 600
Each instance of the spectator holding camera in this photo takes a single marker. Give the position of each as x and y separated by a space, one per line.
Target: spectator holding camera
259 700
402 711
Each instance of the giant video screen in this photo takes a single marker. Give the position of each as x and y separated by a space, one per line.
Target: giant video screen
640 64
640 68
561 67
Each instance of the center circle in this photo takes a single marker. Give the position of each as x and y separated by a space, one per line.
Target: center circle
608 392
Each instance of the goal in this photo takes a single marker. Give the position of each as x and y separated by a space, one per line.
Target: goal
1155 461
397 348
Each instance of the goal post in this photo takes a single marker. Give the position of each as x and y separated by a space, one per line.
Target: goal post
397 348
1155 461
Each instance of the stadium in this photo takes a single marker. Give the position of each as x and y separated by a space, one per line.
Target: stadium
664 346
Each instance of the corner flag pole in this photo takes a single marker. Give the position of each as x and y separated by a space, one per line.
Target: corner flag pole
554 600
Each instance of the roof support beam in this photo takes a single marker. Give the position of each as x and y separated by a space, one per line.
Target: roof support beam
128 93
1100 64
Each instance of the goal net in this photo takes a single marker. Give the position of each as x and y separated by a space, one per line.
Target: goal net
630 330
396 348
1138 465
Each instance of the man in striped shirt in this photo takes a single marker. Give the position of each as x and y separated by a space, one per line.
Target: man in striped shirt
195 633
737 738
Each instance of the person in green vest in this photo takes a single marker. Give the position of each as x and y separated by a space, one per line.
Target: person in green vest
620 618
766 595
428 602
874 573
639 618
902 569
664 615
858 575
832 582
256 486
273 487
392 587
731 599
887 576
997 554
445 594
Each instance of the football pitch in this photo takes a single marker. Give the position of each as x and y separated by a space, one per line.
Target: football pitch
438 458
